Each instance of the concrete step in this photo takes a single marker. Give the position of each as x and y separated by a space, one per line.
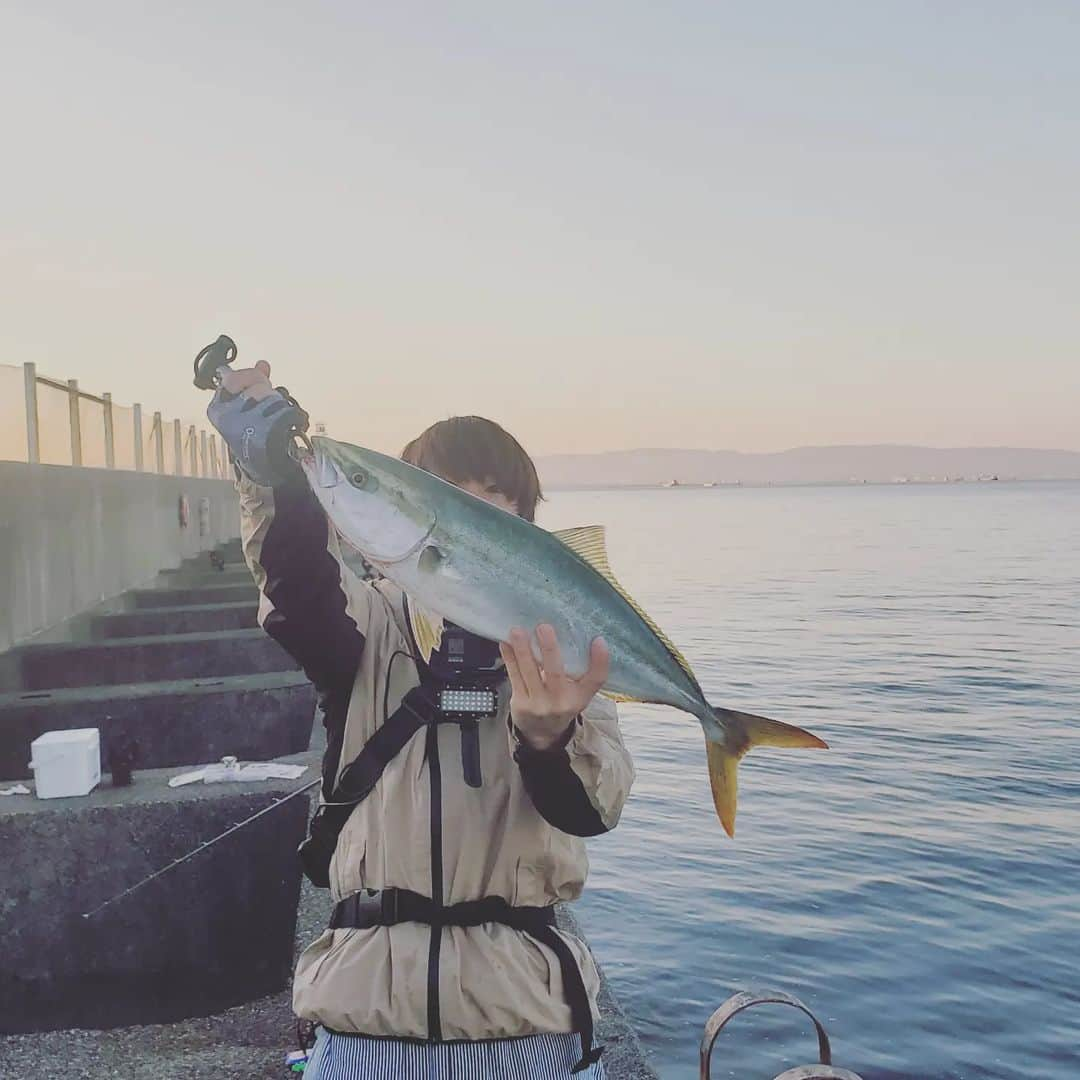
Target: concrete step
173 620
232 574
230 551
204 562
213 932
137 599
183 722
142 659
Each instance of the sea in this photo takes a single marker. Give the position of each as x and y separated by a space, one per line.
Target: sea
917 885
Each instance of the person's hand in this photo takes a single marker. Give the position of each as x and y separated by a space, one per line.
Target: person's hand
544 699
252 382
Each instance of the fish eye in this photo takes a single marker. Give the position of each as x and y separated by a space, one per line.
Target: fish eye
361 479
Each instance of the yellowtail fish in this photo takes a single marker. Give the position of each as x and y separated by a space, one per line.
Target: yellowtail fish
489 571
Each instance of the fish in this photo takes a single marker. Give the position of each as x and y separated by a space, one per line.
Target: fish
489 571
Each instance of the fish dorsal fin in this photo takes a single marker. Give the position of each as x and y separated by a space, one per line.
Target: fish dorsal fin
587 542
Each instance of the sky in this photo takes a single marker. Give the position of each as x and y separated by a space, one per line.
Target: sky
604 224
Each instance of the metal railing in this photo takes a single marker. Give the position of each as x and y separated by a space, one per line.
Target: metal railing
185 451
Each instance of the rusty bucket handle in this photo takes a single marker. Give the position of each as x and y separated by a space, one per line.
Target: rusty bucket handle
744 1000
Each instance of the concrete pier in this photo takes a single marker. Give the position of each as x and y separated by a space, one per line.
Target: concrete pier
213 932
189 683
182 722
178 667
248 1042
185 684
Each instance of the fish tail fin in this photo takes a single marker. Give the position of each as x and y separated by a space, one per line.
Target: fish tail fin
742 732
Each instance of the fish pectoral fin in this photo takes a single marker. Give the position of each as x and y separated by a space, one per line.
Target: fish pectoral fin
427 630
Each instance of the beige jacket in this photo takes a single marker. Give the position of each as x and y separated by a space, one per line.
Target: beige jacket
354 640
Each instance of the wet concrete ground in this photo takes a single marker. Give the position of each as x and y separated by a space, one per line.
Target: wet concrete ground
248 1042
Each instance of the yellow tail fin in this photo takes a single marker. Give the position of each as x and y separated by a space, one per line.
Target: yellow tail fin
723 777
745 731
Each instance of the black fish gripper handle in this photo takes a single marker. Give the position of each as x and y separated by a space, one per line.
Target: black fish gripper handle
216 355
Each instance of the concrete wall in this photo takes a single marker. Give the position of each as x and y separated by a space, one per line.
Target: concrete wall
213 932
72 538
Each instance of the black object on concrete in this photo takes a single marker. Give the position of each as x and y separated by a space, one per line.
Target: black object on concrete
216 931
188 722
121 752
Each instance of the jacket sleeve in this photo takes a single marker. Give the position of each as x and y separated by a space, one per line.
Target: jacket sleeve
580 784
310 602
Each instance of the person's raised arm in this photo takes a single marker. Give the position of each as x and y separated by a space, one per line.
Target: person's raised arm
310 602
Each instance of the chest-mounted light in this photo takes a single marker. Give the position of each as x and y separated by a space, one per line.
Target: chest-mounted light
465 702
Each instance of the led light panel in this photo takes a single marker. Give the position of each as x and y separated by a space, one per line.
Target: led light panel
467 701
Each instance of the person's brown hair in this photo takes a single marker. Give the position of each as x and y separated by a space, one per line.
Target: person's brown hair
467 448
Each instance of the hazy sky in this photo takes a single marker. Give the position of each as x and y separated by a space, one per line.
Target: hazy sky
605 224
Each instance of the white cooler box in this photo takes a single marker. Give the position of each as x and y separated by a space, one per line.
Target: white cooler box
66 763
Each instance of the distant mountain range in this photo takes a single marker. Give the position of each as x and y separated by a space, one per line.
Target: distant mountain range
806 465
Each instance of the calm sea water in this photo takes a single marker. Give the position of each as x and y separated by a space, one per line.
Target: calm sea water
918 885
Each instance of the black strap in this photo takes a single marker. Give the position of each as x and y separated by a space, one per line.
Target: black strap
470 753
358 780
392 906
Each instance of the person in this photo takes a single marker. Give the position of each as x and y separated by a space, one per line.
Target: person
446 857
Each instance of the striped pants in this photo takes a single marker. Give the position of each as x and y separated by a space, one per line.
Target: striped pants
531 1057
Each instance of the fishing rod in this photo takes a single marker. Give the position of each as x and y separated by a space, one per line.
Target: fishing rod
201 848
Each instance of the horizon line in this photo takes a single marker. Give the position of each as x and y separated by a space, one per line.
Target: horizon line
809 446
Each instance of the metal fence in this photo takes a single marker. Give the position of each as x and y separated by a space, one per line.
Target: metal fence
63 425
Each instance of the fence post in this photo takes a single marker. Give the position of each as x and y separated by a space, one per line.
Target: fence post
215 468
204 453
73 417
33 443
110 442
193 450
136 423
159 443
178 448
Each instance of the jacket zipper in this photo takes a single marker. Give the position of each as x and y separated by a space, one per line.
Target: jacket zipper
435 942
